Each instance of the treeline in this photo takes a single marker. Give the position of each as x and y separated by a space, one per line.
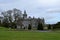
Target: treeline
56 26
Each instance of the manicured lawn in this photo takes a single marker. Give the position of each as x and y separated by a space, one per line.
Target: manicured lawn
28 35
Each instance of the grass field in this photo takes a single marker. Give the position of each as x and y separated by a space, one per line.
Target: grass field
28 35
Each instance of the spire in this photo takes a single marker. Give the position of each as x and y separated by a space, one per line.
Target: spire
25 14
24 11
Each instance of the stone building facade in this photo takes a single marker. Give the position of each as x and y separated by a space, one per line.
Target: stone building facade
25 21
22 21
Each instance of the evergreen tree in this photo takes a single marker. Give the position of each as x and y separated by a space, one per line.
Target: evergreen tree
49 26
40 26
29 27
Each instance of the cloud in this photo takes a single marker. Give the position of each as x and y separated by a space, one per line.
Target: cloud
53 10
37 8
7 1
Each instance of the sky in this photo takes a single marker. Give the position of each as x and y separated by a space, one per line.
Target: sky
47 9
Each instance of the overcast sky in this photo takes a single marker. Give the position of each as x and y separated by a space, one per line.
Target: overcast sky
49 9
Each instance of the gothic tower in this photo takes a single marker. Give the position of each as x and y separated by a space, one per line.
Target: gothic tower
25 15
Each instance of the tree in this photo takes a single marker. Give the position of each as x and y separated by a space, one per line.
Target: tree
10 15
9 12
40 26
49 26
29 27
17 17
5 20
56 26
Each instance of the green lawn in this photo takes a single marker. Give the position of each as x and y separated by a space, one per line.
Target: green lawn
28 35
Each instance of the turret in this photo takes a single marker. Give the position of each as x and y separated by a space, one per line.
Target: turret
25 15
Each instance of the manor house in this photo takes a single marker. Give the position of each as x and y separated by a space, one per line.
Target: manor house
23 21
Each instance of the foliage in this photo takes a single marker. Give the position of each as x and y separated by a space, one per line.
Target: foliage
29 27
49 26
5 22
56 26
40 26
